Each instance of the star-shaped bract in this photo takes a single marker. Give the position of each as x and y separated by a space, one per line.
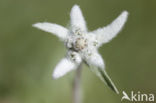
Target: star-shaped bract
82 45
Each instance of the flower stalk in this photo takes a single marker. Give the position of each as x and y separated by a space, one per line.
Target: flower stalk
77 96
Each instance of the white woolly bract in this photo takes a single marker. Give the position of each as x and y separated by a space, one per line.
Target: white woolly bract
63 67
107 33
77 19
95 59
55 29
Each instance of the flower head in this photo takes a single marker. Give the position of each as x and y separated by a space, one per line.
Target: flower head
82 45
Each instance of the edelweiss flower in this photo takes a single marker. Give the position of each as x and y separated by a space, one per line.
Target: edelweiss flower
82 45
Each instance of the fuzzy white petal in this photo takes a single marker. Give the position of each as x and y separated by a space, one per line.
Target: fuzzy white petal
107 33
77 19
95 59
63 67
56 29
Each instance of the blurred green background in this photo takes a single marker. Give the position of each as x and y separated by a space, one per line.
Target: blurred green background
28 55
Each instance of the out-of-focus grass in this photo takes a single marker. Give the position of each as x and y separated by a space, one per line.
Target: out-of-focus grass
28 56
